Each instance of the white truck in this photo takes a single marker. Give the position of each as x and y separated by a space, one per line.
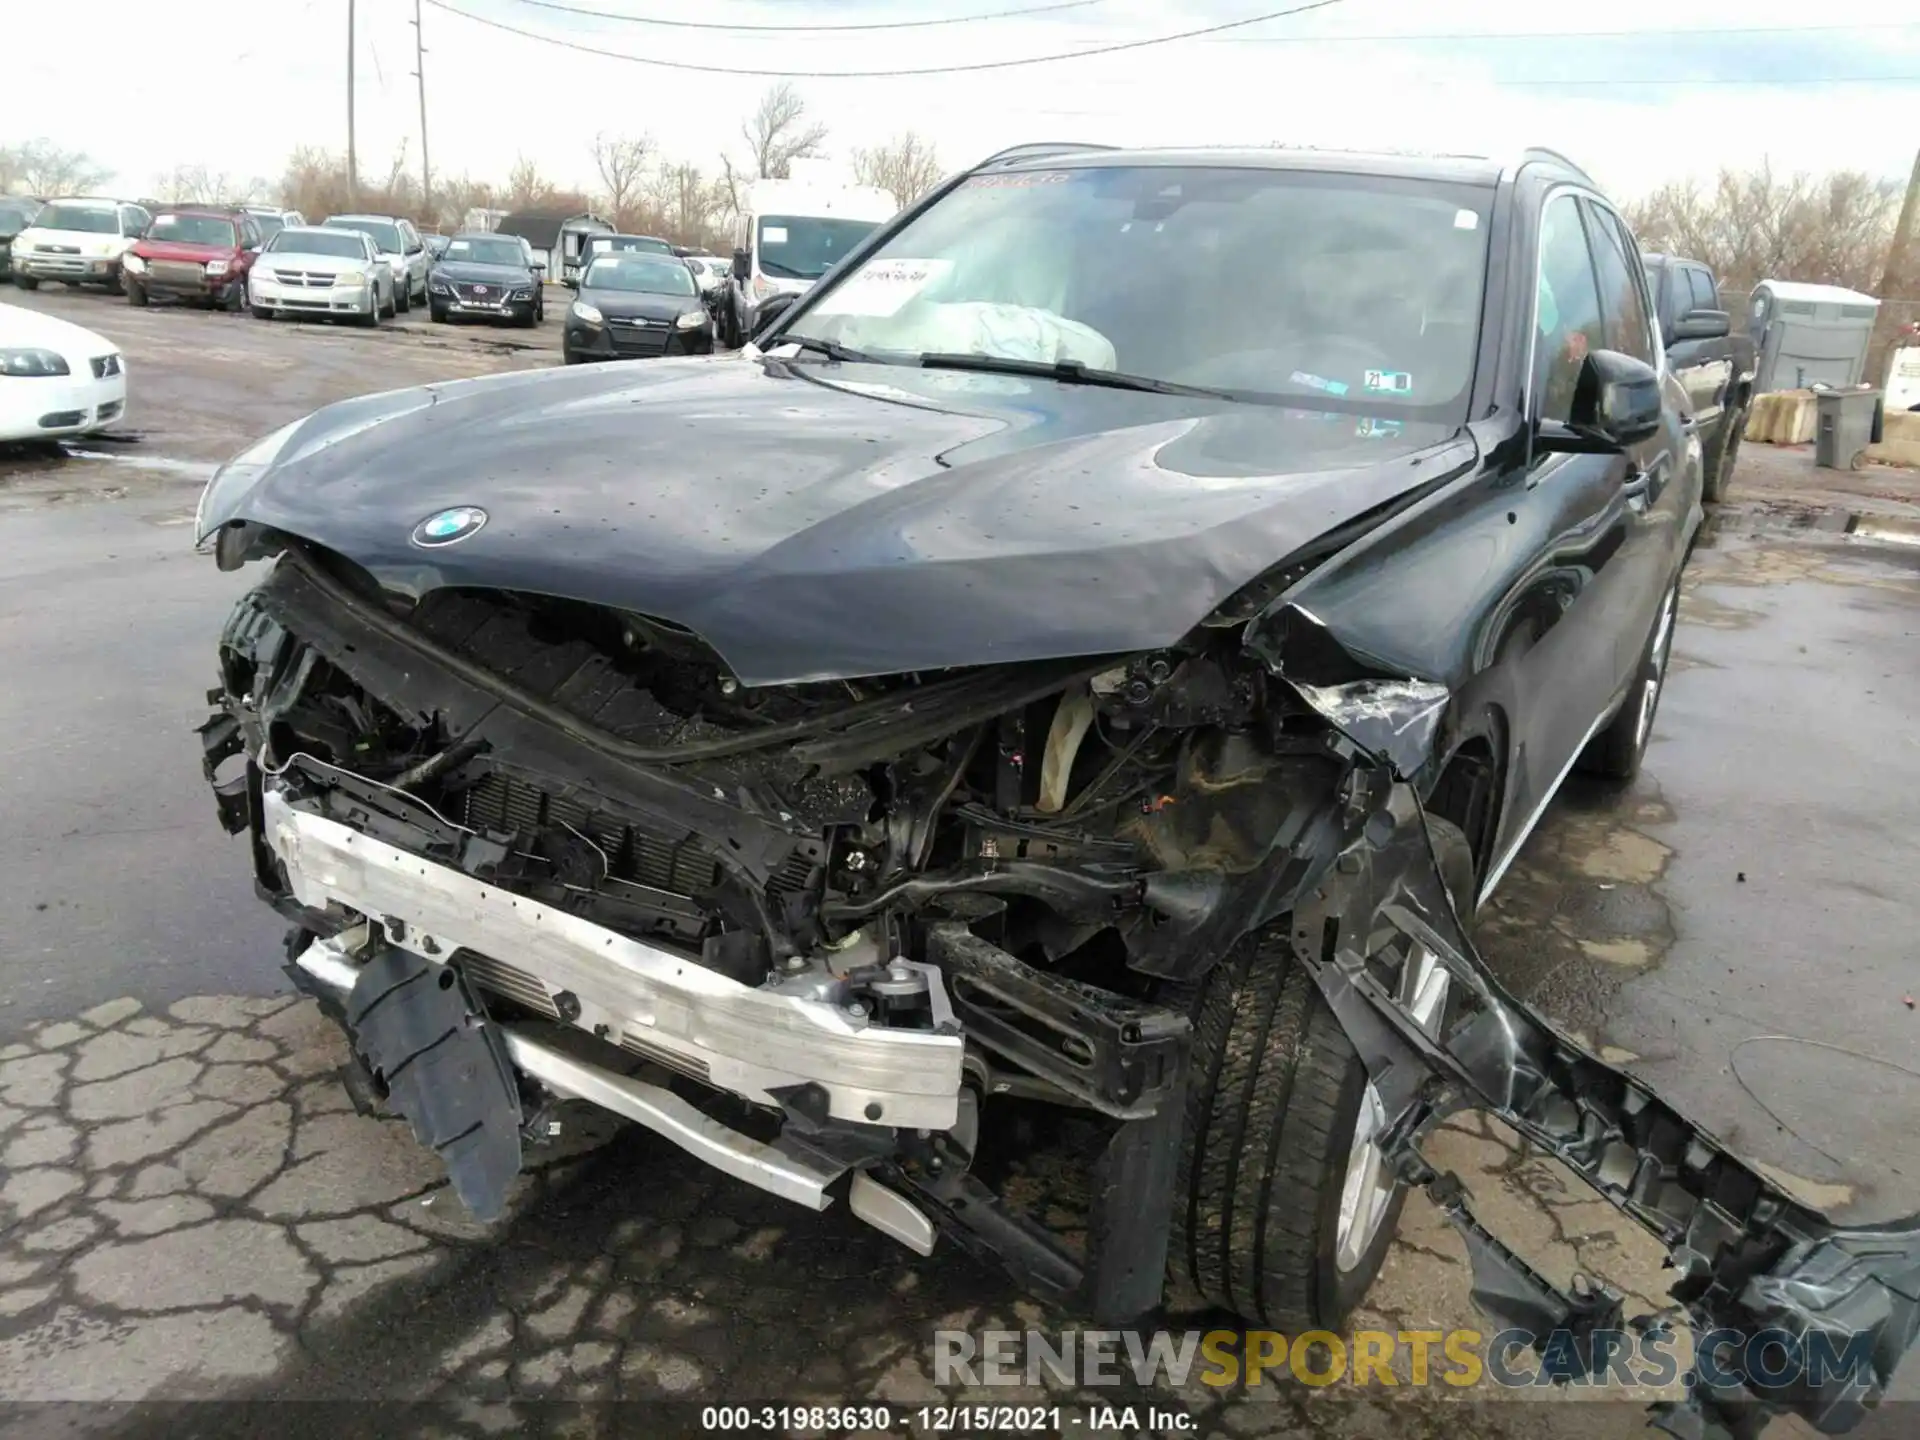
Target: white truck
788 234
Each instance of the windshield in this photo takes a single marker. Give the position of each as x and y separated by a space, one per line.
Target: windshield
641 274
799 247
192 230
315 242
16 215
386 236
88 219
270 225
1350 293
487 251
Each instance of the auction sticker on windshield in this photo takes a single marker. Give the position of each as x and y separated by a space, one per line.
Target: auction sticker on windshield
883 287
1016 182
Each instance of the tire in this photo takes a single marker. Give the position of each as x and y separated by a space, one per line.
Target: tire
403 299
1719 475
136 294
261 312
370 320
389 310
1270 1149
27 282
1615 753
437 314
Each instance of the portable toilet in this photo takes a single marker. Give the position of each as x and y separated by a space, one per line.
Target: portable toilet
1809 334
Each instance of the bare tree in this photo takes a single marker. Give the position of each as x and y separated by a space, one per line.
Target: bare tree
455 196
906 167
621 162
1754 225
40 167
779 133
683 200
527 188
197 185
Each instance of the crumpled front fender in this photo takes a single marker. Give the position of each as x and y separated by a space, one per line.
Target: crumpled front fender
1751 1259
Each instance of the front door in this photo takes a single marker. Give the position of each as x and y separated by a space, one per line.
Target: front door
1584 519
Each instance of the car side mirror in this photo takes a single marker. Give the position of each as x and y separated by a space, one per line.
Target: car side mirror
1703 325
772 308
739 262
571 282
1616 404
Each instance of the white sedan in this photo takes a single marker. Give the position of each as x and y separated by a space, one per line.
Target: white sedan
56 379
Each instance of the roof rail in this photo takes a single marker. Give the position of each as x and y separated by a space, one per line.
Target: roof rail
1553 157
1038 150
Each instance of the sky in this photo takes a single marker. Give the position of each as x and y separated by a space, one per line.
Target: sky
1637 91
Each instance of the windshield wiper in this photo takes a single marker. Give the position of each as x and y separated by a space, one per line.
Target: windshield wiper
1072 372
832 349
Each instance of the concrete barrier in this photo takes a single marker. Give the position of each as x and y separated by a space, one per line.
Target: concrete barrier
1782 417
1900 440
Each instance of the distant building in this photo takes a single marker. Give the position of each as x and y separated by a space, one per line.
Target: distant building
557 237
482 219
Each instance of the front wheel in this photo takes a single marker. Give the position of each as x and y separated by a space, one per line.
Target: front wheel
261 312
1284 1208
136 294
27 282
403 299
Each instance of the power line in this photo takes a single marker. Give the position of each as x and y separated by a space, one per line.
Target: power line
1767 84
808 29
1564 34
881 74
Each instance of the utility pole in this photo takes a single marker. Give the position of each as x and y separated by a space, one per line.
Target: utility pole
1897 275
420 74
353 161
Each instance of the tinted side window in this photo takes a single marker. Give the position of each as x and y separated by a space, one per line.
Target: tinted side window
1704 297
1617 260
1567 320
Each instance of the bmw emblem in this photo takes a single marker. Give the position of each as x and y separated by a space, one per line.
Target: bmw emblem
449 527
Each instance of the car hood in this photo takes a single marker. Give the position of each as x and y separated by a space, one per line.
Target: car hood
22 328
181 250
88 241
469 272
635 303
816 521
311 260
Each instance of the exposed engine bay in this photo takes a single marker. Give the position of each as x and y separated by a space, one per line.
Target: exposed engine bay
812 933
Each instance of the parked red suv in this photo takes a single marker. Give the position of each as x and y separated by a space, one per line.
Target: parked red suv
194 254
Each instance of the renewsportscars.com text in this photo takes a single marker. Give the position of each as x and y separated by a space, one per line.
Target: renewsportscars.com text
1461 1359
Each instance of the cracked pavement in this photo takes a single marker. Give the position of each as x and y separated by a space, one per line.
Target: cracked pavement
191 1207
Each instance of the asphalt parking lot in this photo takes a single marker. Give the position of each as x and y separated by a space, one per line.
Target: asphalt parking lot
190 1208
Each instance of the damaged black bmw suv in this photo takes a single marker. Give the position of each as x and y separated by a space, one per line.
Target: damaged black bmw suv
1048 678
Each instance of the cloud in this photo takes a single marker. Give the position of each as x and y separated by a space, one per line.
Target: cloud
1636 109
